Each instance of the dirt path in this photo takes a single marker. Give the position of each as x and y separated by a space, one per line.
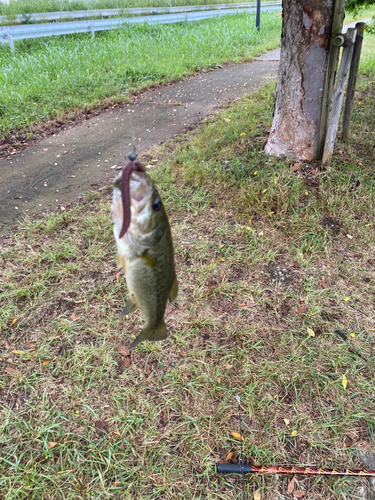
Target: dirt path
59 169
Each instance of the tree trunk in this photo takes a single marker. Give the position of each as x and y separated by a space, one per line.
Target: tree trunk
299 90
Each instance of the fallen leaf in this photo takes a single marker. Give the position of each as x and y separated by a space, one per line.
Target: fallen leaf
241 305
15 319
237 435
294 433
122 349
117 276
17 352
323 284
256 495
11 371
310 332
227 119
229 456
270 213
287 421
299 493
128 361
363 445
301 309
51 444
29 346
10 361
46 362
183 354
344 381
74 316
296 167
291 485
101 426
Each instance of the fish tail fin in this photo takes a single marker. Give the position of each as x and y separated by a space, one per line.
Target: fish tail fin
152 334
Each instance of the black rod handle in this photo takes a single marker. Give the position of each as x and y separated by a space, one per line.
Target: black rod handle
233 469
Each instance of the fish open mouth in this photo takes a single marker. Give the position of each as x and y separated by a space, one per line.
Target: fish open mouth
140 189
130 168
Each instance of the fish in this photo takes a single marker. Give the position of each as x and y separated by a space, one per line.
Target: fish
144 248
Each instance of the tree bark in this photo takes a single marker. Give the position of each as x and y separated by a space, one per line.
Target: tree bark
299 90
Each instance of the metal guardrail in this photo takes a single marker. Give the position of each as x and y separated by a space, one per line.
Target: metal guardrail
10 33
80 14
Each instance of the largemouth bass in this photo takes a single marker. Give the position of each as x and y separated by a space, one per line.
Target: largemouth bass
144 249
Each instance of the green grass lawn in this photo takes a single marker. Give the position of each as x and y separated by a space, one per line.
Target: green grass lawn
276 305
32 6
47 78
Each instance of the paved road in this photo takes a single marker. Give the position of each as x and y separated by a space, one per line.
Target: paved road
58 169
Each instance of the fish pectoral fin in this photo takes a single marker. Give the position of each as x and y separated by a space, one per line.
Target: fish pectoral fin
147 259
174 290
129 307
152 334
121 262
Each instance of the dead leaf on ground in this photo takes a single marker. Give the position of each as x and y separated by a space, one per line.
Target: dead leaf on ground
128 361
237 435
11 371
101 426
256 495
74 316
362 445
122 349
302 309
46 362
51 444
9 360
29 346
229 456
299 493
17 352
291 485
296 166
310 332
324 284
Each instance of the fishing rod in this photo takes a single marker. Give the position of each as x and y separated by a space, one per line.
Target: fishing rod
251 469
243 469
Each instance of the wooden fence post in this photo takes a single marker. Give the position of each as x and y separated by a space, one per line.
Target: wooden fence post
338 96
352 80
333 59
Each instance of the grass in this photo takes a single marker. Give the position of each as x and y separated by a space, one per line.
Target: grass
263 254
47 78
33 6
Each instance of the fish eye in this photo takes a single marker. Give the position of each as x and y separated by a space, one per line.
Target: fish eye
156 205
